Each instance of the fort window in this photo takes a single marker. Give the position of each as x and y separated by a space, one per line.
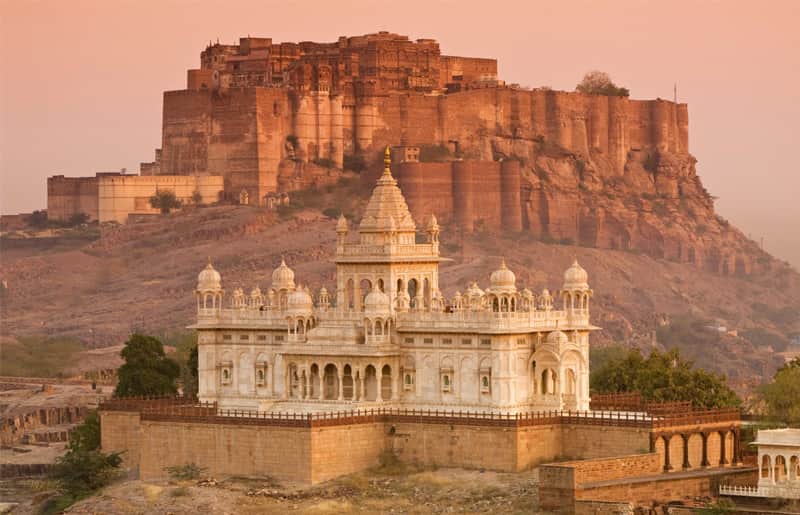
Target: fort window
427 340
227 337
485 341
447 341
279 338
466 341
262 337
521 341
244 337
261 373
409 340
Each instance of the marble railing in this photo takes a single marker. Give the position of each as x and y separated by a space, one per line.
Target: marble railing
402 250
463 320
789 490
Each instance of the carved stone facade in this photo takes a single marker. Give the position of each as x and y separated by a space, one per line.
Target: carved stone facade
392 338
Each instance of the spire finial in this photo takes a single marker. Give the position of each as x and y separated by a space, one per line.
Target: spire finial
387 161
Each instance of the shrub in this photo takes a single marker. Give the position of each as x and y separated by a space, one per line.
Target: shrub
188 471
77 219
325 162
38 218
197 198
83 469
165 201
292 140
331 212
354 163
433 153
599 83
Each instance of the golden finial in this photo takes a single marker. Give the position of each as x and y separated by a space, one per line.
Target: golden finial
387 161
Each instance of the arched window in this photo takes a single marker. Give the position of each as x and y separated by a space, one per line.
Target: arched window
412 292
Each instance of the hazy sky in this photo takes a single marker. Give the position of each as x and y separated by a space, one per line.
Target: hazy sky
82 81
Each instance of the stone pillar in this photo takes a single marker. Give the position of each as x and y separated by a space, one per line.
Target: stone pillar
685 438
737 446
379 381
340 378
722 459
704 462
667 465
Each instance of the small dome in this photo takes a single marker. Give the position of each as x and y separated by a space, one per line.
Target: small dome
503 279
323 291
256 292
474 290
300 301
341 225
527 293
209 279
433 224
556 337
546 294
377 302
576 278
283 277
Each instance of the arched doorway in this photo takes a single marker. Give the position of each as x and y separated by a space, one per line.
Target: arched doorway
386 382
370 383
330 382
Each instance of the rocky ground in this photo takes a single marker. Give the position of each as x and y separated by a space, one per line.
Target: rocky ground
141 277
392 489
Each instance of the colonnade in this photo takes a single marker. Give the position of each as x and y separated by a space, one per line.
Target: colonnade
686 437
340 382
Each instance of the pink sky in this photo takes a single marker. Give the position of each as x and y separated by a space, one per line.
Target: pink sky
82 80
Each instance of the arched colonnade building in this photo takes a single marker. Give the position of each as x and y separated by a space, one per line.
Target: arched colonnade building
388 336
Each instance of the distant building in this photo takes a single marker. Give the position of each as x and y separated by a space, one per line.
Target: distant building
778 466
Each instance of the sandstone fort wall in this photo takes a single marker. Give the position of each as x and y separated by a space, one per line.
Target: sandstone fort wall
120 196
69 196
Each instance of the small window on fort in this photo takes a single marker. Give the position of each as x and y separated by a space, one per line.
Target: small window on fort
466 341
227 337
262 337
409 340
244 336
486 341
279 338
446 383
226 376
521 341
447 341
427 340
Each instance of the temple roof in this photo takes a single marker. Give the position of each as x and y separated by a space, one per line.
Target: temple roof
387 209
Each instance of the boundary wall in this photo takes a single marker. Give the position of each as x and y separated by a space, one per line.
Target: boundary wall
310 448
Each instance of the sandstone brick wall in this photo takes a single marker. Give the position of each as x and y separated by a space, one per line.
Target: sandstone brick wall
667 487
226 449
68 196
446 445
539 444
599 441
340 450
120 431
122 195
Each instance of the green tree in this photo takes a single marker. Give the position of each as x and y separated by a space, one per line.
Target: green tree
83 468
37 218
782 395
147 371
197 198
596 82
663 377
165 201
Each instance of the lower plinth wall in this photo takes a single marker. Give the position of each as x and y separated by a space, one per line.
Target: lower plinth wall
314 448
636 480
